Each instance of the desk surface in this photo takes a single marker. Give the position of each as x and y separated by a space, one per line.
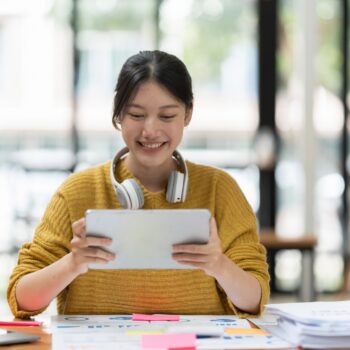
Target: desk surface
272 241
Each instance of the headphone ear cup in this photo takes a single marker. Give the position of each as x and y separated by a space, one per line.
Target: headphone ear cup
174 193
131 196
122 196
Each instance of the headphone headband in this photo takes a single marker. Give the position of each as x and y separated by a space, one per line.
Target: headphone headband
183 167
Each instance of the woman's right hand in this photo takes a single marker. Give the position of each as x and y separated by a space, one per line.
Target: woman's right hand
88 249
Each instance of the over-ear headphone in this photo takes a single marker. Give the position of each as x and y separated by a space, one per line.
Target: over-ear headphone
130 194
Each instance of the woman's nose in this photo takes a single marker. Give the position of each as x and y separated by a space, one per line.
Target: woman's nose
150 127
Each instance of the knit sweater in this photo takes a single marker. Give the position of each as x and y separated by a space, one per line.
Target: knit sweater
189 291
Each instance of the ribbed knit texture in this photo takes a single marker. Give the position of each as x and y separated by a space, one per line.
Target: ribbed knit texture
144 291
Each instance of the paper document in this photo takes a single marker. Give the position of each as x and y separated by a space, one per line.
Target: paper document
88 332
317 311
314 325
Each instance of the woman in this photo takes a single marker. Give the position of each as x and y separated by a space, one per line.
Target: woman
152 105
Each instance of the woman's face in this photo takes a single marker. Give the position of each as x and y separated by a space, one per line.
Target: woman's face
152 126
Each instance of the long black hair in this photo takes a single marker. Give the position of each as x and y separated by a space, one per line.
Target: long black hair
161 67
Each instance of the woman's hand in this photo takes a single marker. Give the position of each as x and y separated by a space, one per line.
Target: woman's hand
208 257
88 249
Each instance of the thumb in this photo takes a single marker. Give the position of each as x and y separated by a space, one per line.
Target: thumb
213 231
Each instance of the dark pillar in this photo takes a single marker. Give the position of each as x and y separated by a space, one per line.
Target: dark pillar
267 37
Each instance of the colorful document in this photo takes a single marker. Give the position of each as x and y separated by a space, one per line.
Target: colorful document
110 332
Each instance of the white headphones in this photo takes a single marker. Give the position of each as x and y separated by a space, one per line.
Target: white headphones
130 194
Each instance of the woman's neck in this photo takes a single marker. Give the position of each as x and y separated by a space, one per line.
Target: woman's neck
154 179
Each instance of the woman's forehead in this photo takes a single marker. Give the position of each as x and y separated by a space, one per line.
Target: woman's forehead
151 93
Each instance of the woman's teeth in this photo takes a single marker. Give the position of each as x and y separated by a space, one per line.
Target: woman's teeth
152 145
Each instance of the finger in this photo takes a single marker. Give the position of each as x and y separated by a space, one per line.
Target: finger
190 248
213 230
98 261
98 241
94 260
78 227
78 242
198 265
191 257
94 252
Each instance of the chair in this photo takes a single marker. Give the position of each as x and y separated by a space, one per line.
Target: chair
306 245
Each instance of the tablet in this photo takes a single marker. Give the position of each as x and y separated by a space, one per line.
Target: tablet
17 338
143 239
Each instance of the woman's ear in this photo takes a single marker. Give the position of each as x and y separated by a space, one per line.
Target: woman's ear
188 115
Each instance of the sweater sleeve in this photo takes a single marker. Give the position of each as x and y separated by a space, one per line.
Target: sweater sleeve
239 238
50 243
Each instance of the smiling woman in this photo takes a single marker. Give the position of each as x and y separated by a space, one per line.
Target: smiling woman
153 103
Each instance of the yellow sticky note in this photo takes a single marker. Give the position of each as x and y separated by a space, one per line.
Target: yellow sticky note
144 331
244 331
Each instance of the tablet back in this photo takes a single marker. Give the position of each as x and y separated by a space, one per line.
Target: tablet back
143 239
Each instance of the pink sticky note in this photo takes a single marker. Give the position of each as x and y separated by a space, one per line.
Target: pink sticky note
179 341
142 317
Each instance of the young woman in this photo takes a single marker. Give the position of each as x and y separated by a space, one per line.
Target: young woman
152 105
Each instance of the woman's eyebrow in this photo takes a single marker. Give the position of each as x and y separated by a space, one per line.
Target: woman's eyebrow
134 105
169 106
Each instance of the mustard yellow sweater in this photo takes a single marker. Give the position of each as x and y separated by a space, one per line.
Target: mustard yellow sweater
144 291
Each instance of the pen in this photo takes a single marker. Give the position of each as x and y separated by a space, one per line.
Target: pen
20 323
206 336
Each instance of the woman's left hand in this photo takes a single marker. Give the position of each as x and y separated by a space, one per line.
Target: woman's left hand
208 257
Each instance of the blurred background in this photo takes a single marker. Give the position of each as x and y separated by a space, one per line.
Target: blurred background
271 86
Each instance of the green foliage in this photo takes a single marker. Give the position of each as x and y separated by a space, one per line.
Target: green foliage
328 50
329 55
209 38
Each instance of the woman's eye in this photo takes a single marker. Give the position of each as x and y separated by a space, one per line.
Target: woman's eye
136 116
168 117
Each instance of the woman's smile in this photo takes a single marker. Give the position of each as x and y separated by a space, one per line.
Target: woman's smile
151 145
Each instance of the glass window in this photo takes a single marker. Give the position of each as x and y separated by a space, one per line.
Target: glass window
328 122
34 51
108 33
217 40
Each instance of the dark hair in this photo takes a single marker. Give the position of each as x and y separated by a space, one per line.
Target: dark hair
161 67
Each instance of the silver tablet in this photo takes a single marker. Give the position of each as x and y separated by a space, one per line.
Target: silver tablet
143 239
11 337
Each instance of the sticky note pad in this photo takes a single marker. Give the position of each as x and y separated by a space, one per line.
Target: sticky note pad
180 341
142 317
244 331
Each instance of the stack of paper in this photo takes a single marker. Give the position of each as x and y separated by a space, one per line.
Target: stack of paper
315 325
